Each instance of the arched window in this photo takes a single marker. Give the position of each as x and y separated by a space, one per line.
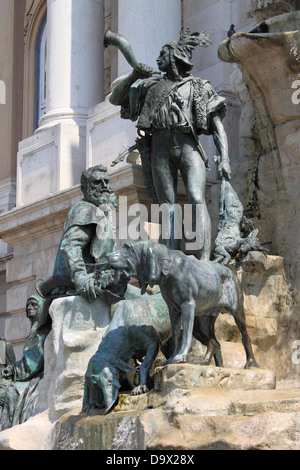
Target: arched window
41 72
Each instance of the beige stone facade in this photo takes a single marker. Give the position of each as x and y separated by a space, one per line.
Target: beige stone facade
41 164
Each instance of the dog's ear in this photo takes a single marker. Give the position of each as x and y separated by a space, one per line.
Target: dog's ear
153 266
128 247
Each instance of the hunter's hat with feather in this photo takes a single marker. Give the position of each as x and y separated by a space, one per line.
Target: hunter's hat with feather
183 49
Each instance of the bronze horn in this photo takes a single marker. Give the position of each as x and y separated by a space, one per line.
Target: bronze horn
123 45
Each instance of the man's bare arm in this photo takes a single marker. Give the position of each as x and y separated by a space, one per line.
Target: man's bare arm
221 142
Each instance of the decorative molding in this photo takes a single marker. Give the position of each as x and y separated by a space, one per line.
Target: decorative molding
49 211
28 17
26 26
7 196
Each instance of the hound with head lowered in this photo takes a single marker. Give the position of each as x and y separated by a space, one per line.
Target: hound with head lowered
191 288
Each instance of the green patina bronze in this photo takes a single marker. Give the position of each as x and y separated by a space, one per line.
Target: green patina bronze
88 237
19 382
171 111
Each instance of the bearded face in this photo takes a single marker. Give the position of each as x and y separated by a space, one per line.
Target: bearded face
97 190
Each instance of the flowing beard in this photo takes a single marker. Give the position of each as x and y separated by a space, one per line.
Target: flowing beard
102 197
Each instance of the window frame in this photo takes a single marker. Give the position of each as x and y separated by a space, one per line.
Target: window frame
41 72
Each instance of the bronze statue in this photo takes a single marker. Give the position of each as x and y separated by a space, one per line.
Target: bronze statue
19 382
236 234
138 329
190 287
8 354
88 236
171 112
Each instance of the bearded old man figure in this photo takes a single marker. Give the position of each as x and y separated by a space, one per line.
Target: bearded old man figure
88 236
171 112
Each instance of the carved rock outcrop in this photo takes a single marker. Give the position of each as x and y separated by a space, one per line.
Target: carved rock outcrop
270 66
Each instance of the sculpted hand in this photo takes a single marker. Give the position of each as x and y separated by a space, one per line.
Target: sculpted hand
224 169
87 288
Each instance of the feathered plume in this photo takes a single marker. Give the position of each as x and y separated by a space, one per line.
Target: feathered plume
190 41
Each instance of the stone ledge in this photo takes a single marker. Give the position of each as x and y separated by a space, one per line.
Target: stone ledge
266 431
179 419
212 402
186 376
259 263
218 419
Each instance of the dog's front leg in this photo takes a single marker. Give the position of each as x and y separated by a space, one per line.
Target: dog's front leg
175 319
188 314
149 358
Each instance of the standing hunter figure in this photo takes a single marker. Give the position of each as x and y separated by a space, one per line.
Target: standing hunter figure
171 111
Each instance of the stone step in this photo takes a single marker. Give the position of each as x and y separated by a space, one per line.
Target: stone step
191 419
185 376
264 431
214 402
213 391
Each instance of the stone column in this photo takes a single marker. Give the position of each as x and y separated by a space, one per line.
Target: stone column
74 60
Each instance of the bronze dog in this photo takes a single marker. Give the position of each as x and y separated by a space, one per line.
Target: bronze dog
137 330
191 288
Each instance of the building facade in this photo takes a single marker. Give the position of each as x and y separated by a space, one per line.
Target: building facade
56 120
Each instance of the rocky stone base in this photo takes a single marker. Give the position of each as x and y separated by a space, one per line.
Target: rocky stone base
192 408
185 376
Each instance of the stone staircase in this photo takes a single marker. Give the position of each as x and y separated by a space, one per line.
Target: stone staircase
193 408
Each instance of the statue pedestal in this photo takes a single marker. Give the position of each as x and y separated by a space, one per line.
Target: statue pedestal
77 330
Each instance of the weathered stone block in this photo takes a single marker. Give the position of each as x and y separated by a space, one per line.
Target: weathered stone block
267 303
77 329
185 376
